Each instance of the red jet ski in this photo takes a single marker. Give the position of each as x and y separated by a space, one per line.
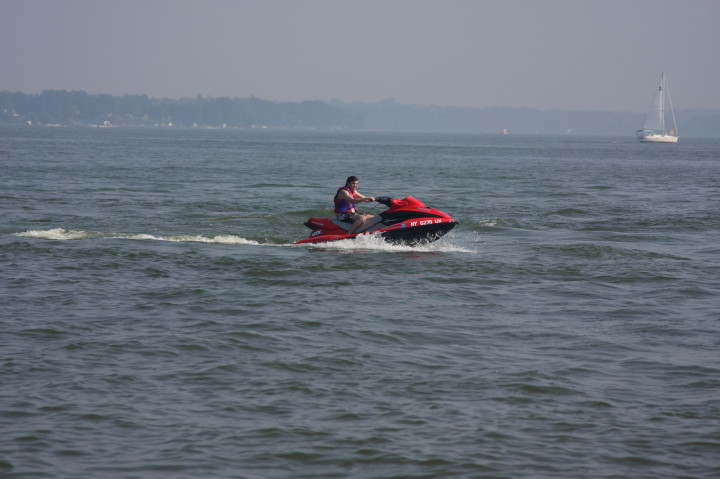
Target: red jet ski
407 221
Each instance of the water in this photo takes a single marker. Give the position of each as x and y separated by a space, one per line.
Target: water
157 320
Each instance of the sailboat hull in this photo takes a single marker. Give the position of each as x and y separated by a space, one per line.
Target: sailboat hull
655 138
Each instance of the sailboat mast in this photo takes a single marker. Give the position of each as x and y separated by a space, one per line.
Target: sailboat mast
662 102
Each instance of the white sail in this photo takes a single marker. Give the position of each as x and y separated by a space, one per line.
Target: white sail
656 116
655 129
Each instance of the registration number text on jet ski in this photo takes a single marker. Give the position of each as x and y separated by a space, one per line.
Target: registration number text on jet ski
424 222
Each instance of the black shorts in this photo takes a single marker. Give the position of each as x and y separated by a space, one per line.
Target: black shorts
346 217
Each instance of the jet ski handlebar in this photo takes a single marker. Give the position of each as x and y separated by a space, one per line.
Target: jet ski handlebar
384 200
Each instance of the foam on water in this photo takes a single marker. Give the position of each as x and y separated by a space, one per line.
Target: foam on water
218 239
448 244
61 234
58 234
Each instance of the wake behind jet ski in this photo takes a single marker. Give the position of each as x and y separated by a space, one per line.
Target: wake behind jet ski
406 221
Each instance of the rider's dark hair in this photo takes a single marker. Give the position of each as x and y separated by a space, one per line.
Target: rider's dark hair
351 179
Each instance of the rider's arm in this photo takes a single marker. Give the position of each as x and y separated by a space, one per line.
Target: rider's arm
357 199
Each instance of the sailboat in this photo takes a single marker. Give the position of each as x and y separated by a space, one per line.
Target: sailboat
654 130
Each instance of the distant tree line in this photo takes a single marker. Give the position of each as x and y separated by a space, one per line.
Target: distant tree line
80 108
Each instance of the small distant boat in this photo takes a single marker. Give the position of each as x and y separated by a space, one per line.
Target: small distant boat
654 130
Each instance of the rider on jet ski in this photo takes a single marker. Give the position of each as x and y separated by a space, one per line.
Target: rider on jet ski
345 200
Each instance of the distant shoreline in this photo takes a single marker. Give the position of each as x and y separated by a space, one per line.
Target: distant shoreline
78 108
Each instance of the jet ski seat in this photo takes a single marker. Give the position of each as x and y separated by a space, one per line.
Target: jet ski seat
342 224
369 224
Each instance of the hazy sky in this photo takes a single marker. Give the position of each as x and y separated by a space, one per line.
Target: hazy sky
545 54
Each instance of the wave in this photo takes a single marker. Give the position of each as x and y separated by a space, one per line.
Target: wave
58 234
61 234
492 223
449 244
377 243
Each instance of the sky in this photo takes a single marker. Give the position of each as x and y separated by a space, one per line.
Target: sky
576 55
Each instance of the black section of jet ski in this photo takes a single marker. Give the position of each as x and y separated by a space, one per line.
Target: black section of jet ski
418 235
392 217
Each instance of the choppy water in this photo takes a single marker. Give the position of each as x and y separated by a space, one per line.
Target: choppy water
156 320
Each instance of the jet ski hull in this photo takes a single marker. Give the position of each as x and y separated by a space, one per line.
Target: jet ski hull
407 221
397 234
416 235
